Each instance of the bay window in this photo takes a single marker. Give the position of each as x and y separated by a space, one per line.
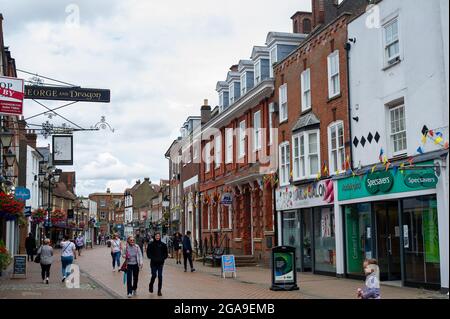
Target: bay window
306 158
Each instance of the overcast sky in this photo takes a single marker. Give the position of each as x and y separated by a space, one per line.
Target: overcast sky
160 59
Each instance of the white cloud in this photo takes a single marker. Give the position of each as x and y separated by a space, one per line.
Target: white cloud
160 60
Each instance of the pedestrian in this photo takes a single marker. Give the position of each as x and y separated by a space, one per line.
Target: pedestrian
187 251
372 288
30 246
177 247
116 248
99 239
157 253
79 242
46 255
134 260
140 241
67 255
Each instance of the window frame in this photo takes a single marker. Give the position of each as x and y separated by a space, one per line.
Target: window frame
257 136
335 125
208 157
391 135
306 157
229 145
273 55
283 114
242 136
218 150
270 112
388 61
243 83
231 97
330 59
284 164
304 90
257 67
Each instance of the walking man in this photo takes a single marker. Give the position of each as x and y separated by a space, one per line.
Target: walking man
30 246
187 251
79 242
157 253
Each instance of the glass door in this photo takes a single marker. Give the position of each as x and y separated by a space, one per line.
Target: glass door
291 234
388 240
306 235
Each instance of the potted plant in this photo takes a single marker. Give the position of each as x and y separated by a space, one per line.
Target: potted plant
5 257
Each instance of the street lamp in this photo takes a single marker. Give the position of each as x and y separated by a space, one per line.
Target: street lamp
52 177
6 138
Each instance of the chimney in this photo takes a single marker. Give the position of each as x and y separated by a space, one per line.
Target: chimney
108 190
318 12
302 22
31 137
138 181
234 68
205 112
147 179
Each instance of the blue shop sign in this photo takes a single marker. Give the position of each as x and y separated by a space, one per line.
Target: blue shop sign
22 193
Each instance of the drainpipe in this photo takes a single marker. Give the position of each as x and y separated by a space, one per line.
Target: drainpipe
348 47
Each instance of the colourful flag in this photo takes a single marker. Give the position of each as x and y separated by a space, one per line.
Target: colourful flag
424 139
373 168
439 134
431 132
420 150
446 145
402 165
395 169
438 140
385 159
381 155
387 166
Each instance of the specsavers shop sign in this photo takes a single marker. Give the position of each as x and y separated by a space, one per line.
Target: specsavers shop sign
387 182
11 96
308 195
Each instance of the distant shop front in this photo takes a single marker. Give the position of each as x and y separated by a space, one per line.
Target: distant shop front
306 221
392 216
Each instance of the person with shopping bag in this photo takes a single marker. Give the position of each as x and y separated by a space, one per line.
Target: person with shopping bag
133 262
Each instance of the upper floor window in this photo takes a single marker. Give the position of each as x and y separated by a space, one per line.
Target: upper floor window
306 157
398 129
207 157
391 42
336 146
257 131
283 103
221 102
271 109
257 72
229 145
218 150
334 87
242 139
243 83
284 163
102 203
306 90
232 97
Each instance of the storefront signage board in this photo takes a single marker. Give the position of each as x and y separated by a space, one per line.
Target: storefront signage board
284 274
380 183
11 96
40 92
19 266
309 195
228 265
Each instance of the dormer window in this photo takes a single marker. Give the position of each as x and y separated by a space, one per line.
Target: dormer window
243 83
257 72
235 91
273 59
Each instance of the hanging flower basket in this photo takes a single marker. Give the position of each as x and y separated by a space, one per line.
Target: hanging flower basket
5 257
58 217
38 215
10 208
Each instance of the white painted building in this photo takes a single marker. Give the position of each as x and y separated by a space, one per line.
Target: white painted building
398 89
128 211
32 181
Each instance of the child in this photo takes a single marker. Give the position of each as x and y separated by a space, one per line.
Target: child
372 289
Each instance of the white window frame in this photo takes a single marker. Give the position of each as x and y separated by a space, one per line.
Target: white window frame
386 45
229 145
218 150
257 144
283 103
284 163
208 157
271 106
393 134
331 76
231 93
243 83
242 134
306 157
257 74
221 102
306 89
339 148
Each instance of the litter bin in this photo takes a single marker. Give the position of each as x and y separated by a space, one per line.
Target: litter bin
284 270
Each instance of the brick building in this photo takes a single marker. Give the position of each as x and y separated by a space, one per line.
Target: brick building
173 155
106 207
311 87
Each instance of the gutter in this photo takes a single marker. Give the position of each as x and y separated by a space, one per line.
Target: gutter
348 47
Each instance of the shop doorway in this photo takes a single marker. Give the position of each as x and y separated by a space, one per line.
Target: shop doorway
247 222
388 240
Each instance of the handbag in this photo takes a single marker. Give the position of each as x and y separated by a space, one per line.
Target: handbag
124 266
37 259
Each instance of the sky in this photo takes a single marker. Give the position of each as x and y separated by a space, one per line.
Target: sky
160 59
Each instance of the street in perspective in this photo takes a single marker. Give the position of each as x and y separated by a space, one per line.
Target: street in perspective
250 151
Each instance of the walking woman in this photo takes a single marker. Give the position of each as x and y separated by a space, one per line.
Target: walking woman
157 252
134 260
177 245
116 248
46 254
30 246
67 255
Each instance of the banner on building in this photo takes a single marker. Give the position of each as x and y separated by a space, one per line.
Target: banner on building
11 96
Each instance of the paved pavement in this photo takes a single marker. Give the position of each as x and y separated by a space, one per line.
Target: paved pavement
98 281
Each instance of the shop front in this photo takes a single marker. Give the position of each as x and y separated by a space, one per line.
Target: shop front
307 222
392 216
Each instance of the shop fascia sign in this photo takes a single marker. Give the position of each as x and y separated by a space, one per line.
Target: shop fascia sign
312 194
379 182
11 96
417 180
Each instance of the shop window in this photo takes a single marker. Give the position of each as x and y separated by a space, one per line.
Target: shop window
324 240
358 242
291 233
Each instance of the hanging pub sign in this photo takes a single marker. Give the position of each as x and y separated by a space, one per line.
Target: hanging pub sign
11 96
39 92
62 149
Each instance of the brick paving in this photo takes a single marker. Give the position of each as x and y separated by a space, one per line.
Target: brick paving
98 281
251 283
